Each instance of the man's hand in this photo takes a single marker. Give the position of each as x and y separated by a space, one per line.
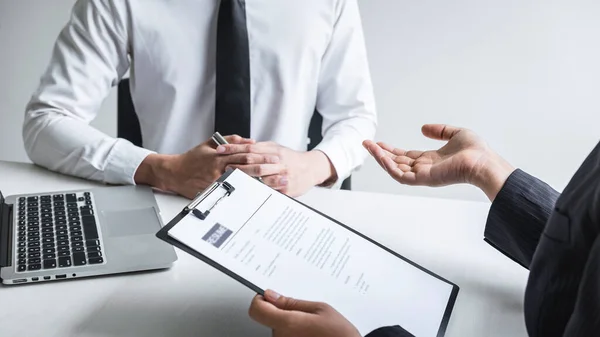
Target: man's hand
294 174
191 172
465 158
295 318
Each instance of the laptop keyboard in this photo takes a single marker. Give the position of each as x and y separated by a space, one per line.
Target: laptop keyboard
57 231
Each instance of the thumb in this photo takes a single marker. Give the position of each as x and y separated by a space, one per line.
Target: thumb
267 314
292 304
439 131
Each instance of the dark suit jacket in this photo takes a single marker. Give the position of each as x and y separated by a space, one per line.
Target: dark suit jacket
556 238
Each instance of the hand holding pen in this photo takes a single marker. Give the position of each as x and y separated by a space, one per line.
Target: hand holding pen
286 170
220 140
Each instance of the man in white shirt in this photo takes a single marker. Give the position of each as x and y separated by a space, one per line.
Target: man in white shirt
292 57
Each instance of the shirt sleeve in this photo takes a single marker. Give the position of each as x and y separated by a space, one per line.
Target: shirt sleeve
89 57
345 93
519 215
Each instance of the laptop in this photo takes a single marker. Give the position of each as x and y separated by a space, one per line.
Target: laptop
80 233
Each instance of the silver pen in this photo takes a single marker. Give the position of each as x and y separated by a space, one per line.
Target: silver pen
220 140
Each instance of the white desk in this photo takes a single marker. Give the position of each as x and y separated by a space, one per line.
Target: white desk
193 299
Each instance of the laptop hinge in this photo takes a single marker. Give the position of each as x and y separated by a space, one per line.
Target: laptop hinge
6 231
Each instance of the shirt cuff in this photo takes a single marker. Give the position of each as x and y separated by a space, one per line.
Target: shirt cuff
337 157
123 162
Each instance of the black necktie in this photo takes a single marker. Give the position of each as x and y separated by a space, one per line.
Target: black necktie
232 106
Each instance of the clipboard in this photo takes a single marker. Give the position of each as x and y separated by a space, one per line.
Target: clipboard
223 186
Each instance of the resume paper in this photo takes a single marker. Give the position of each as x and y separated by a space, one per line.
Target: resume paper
275 242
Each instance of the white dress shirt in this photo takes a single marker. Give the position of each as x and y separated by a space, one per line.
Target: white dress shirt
303 54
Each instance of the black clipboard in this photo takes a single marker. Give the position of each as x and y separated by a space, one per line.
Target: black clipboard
221 183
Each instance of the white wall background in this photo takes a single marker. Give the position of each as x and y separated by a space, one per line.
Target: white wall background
523 73
28 30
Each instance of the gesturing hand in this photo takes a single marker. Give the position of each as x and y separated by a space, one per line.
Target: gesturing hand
465 158
294 174
288 317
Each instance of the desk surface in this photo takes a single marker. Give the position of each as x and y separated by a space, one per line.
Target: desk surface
193 299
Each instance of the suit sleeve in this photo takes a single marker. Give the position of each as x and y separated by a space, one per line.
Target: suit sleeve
518 216
390 331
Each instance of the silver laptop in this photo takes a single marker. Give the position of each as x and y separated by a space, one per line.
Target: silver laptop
74 234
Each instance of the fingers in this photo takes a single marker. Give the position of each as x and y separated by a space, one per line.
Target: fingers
376 151
266 313
404 161
380 150
292 304
401 173
378 154
406 167
400 152
399 164
391 149
276 181
387 147
439 131
262 148
413 154
371 147
367 144
235 139
261 170
250 158
234 148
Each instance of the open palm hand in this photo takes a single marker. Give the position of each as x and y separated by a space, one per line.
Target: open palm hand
460 160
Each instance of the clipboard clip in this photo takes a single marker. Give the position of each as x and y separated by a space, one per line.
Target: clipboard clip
191 207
